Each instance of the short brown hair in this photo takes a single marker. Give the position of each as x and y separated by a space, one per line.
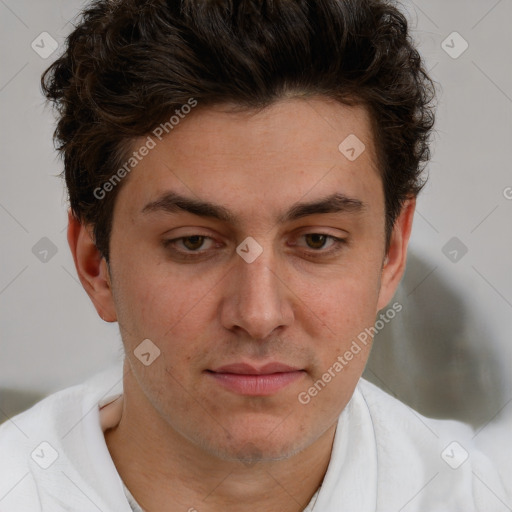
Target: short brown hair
129 64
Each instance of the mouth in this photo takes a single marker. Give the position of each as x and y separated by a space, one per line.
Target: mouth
245 379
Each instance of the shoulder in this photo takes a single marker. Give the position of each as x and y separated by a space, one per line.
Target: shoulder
37 438
435 462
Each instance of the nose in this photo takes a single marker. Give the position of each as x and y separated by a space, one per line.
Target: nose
257 298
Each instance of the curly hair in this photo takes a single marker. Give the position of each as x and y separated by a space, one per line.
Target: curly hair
128 65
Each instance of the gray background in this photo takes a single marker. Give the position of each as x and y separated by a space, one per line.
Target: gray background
448 353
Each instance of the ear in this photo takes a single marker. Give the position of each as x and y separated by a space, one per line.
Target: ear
91 268
396 257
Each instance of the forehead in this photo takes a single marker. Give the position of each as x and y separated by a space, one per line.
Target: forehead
260 159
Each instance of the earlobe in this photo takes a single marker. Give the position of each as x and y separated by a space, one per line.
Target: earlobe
396 257
91 267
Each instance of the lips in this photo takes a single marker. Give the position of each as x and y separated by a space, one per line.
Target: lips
245 379
247 369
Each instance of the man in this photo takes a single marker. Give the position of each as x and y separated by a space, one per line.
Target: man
242 178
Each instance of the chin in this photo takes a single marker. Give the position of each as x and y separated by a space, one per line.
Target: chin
251 449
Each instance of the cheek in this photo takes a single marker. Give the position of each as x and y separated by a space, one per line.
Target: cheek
347 309
348 301
342 344
154 302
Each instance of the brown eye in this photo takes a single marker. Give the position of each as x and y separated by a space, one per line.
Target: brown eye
193 243
193 247
316 240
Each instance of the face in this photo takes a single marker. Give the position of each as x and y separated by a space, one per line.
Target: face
257 279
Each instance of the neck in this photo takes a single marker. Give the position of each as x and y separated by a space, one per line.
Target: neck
166 472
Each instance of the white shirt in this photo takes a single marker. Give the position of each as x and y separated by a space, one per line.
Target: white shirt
385 458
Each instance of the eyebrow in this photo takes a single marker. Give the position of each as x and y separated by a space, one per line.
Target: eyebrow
172 202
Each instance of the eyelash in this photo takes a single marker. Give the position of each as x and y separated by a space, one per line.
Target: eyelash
338 244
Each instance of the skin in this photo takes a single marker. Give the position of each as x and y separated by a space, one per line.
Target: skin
184 441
